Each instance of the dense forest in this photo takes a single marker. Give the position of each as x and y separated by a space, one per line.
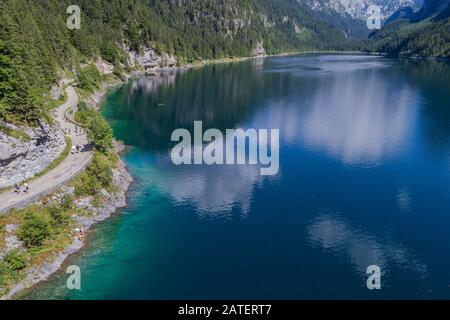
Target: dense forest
36 46
425 38
424 33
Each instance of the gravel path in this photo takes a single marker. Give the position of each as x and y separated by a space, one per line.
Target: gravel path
65 171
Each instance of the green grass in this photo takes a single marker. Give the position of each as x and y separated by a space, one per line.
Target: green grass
14 266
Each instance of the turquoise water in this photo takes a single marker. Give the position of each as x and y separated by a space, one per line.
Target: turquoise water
364 180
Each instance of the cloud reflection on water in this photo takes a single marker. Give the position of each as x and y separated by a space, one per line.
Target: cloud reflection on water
340 106
334 235
358 121
151 84
214 190
358 125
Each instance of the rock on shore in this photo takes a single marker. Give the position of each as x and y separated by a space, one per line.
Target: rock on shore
259 50
112 201
20 160
150 60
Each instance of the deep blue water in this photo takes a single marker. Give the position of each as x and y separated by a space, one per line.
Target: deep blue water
364 180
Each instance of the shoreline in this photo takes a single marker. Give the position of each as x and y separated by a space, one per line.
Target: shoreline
46 270
117 200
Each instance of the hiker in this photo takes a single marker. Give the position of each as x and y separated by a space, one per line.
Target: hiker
27 188
17 186
81 234
73 150
78 148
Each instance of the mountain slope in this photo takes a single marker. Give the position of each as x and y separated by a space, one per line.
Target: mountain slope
358 8
35 43
425 33
430 8
402 13
350 16
336 16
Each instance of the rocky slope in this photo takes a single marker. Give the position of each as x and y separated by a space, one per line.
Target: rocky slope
21 159
350 16
422 34
35 43
89 211
358 8
112 201
149 60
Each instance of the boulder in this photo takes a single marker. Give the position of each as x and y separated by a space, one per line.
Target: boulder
259 51
150 60
21 160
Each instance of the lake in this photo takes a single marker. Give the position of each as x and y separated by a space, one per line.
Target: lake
364 179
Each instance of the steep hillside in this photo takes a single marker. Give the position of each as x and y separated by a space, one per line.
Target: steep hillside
430 8
35 43
358 8
403 13
335 14
425 33
350 16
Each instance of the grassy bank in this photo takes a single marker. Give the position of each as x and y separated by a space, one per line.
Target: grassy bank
43 230
47 228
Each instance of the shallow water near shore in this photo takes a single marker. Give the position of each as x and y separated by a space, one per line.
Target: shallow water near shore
364 180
